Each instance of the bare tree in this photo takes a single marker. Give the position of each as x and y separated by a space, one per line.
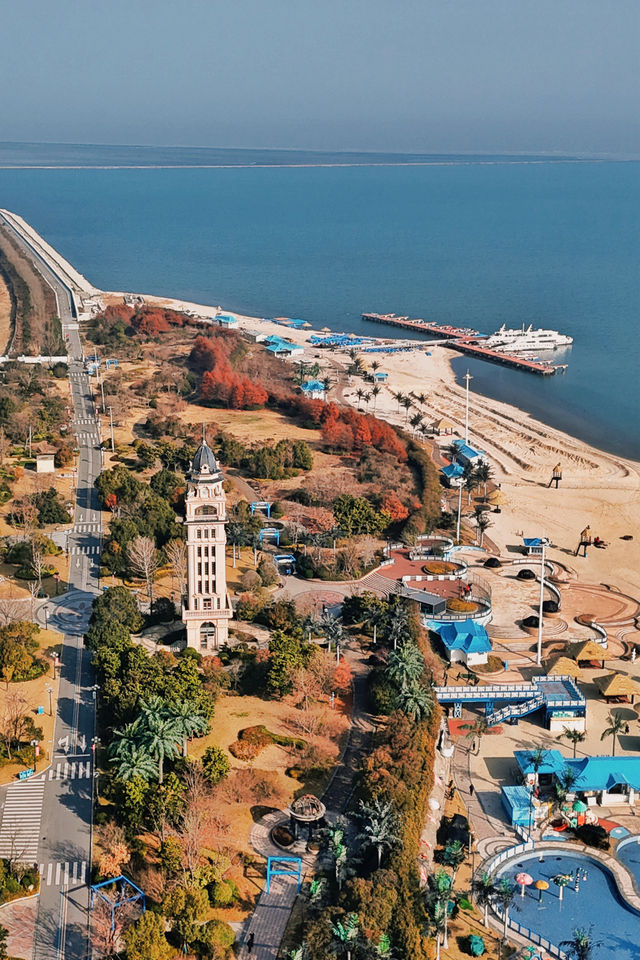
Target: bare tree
24 517
143 560
14 720
11 611
176 554
5 446
37 563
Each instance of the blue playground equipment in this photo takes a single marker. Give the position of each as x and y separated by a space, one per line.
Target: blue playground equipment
557 695
274 870
261 505
271 532
123 895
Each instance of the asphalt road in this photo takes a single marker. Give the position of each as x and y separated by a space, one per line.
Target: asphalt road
64 851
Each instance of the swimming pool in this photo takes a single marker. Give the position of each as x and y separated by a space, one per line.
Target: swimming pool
596 902
628 853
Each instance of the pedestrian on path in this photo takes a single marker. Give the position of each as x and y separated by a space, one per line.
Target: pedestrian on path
250 942
470 789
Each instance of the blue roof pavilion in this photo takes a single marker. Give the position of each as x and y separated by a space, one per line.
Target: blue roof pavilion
465 640
453 471
467 454
553 762
313 388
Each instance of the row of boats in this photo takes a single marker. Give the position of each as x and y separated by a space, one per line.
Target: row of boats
526 341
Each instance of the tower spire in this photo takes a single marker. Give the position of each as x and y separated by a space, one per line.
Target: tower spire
203 436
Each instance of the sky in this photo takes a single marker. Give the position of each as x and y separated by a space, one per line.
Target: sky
388 75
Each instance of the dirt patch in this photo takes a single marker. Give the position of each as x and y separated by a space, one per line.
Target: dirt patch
34 303
6 319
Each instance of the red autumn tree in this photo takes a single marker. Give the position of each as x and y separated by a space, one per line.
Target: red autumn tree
394 507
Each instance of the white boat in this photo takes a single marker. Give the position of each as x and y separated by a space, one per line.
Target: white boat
526 340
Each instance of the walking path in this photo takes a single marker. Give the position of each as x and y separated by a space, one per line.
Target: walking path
271 914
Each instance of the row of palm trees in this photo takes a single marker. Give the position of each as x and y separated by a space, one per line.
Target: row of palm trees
160 732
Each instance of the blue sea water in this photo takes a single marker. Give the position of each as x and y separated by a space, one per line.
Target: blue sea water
474 241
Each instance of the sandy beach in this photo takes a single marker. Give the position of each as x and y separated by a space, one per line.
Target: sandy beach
597 488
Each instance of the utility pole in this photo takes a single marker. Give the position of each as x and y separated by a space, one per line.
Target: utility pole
539 657
459 511
467 377
111 422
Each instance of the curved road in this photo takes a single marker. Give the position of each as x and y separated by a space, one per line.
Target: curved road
66 799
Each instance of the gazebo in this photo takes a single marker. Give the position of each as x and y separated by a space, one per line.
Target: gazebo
617 687
563 667
442 426
590 653
306 812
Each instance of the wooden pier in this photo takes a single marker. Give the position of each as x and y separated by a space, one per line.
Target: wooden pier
505 359
443 331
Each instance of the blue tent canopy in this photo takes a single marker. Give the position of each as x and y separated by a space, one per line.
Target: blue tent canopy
452 471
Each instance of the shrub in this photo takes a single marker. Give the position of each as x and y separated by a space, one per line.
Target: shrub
461 606
593 835
382 693
215 764
225 893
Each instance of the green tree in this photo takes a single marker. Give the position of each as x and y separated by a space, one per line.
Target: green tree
108 633
286 655
345 934
267 571
453 855
477 730
504 893
574 737
566 780
146 939
186 907
117 603
616 724
355 515
215 764
4 936
379 826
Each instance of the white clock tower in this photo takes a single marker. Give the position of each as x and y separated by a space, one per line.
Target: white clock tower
207 608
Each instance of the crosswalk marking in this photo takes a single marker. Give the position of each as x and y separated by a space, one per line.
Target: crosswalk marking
70 770
87 527
20 830
57 873
90 551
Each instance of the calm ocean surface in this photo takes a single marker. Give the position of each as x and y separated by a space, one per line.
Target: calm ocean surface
474 243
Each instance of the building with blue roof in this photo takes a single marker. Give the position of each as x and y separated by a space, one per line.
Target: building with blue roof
602 780
226 320
452 472
466 641
313 389
282 348
467 455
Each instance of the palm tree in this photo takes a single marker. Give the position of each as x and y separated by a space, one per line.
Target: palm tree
483 475
407 403
189 721
437 898
135 763
566 780
359 395
421 398
375 366
416 701
397 625
367 399
469 482
160 733
453 855
406 665
581 945
484 888
504 893
398 396
376 390
483 522
415 421
126 740
380 825
536 760
376 616
326 383
616 724
573 736
346 933
332 629
477 730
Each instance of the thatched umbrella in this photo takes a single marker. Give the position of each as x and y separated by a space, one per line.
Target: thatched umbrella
617 685
496 497
590 650
563 667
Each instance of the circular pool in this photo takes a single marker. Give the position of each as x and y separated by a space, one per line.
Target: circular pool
596 902
628 853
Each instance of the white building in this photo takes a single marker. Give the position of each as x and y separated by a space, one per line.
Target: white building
207 608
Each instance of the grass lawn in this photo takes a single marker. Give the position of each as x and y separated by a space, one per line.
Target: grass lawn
36 694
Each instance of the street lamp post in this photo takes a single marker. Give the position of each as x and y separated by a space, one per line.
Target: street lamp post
467 377
544 542
49 690
459 511
36 750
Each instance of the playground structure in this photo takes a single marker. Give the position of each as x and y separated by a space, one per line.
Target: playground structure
560 698
261 505
123 886
275 870
272 533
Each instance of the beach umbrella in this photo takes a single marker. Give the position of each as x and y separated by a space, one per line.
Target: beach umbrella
580 807
525 880
541 886
326 330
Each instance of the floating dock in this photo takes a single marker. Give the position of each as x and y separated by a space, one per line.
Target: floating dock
466 340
